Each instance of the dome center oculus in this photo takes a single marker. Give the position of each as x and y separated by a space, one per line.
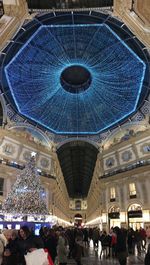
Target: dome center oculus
75 79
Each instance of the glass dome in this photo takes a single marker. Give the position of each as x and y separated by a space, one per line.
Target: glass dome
73 77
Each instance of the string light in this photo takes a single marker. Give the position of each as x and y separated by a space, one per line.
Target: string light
112 91
26 195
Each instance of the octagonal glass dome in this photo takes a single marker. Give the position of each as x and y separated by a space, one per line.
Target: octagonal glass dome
73 77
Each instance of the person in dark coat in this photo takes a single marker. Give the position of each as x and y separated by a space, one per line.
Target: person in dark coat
121 247
78 248
147 256
131 241
27 243
50 244
71 241
11 252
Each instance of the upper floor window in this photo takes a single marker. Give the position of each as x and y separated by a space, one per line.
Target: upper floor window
132 190
8 149
78 205
112 194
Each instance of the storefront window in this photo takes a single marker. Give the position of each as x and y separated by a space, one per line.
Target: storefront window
114 216
135 216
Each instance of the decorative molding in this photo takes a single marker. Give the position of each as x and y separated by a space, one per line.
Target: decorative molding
110 162
126 155
44 162
8 149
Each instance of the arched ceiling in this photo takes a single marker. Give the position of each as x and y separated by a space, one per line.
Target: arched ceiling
77 160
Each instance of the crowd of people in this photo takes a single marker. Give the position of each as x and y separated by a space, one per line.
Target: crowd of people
63 244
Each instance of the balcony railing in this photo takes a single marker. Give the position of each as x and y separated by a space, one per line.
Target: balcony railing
21 167
138 164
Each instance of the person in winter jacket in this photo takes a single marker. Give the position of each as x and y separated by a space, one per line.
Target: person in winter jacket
4 239
121 247
147 256
62 251
78 248
11 252
28 242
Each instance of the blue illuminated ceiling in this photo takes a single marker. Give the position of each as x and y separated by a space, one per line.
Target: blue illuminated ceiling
72 77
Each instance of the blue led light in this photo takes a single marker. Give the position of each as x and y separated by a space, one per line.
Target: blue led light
113 91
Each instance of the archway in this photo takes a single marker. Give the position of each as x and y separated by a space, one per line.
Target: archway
114 216
78 220
135 216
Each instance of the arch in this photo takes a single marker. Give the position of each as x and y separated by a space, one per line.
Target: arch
135 207
34 130
78 219
117 136
78 215
79 139
114 208
135 215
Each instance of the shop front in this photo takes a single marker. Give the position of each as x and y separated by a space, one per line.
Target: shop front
135 216
114 217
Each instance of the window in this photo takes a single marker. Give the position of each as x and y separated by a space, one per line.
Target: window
8 149
1 186
78 205
132 190
114 209
146 148
112 194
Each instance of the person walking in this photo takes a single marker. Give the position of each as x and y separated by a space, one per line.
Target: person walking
62 251
121 247
78 247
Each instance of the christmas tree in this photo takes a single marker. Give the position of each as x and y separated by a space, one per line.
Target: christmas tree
26 195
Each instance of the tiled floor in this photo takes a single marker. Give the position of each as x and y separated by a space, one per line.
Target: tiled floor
94 259
97 261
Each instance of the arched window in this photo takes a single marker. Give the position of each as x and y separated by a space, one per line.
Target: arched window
135 211
78 205
114 212
114 209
